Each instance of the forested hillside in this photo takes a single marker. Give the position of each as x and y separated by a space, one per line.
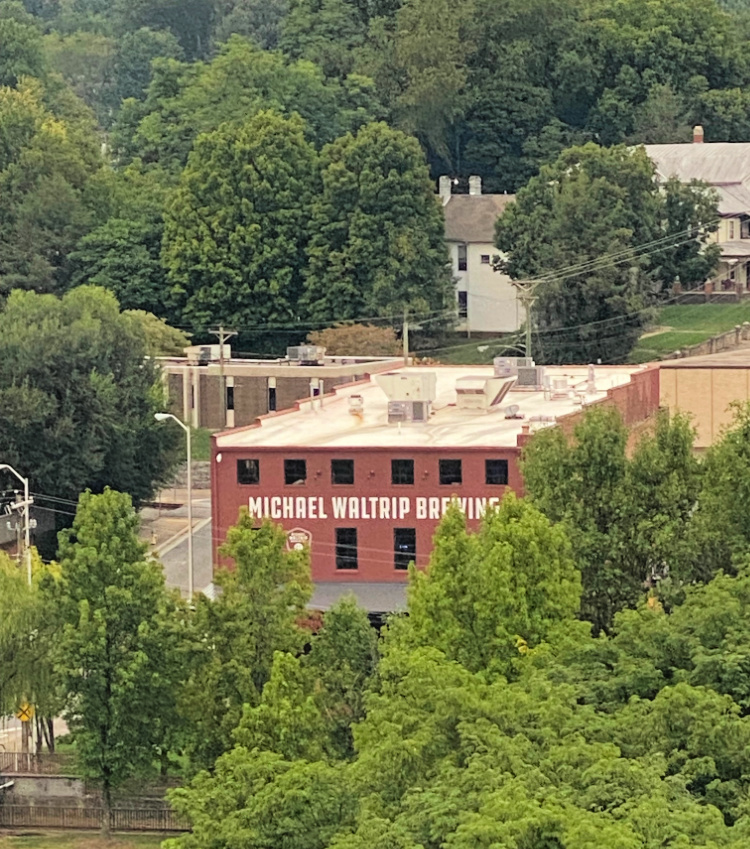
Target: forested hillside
104 104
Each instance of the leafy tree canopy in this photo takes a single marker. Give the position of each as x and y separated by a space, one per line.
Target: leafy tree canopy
365 339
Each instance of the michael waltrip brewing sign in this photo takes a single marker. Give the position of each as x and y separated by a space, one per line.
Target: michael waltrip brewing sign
297 539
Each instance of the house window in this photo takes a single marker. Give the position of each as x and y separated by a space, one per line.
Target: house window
404 547
450 471
731 228
295 472
745 229
485 259
462 257
346 548
271 399
342 471
496 472
248 472
230 397
463 304
402 472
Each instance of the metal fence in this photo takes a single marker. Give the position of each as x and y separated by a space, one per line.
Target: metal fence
120 819
31 763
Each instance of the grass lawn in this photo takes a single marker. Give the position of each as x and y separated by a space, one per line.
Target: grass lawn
200 447
689 324
477 352
32 839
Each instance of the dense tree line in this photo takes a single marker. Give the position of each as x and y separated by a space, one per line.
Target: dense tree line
129 90
572 671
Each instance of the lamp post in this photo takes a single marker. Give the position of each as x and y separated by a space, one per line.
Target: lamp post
162 417
26 523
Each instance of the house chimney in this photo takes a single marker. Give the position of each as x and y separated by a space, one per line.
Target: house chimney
475 185
445 186
698 134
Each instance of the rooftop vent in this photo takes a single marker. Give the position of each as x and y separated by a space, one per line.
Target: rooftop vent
306 355
481 393
204 354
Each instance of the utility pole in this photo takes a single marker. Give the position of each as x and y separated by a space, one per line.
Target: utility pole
23 506
527 296
223 336
405 337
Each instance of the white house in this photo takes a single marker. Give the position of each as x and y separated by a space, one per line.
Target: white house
726 167
487 301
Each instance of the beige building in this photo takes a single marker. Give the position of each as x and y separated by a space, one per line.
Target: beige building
726 167
210 393
487 301
704 388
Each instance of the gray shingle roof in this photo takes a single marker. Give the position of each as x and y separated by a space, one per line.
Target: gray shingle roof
471 218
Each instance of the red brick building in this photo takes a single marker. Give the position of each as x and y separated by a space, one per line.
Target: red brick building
364 474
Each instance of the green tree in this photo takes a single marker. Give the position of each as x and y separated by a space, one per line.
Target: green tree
599 236
259 21
366 339
21 39
77 398
114 653
626 518
378 244
236 228
236 635
486 597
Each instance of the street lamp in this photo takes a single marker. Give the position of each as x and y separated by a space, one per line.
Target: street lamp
26 524
162 417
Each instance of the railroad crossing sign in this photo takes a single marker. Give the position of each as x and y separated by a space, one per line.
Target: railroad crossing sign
25 713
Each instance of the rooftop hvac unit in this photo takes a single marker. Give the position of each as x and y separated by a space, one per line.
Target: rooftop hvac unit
530 377
204 354
481 393
408 386
507 366
306 355
408 411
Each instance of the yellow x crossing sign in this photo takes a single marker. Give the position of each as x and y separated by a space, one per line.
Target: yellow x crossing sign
25 713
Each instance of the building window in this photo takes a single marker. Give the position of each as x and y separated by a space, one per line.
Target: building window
463 304
402 472
496 472
346 548
462 257
248 471
745 228
295 472
731 228
271 399
450 471
230 397
485 259
342 471
404 547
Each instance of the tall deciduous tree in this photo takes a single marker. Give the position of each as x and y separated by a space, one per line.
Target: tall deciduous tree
600 236
486 596
115 653
236 228
626 518
236 635
366 339
21 39
377 245
78 397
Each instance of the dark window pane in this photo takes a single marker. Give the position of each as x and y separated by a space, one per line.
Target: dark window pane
402 471
496 472
485 259
342 471
463 304
248 471
450 471
404 547
346 548
295 472
230 397
272 399
462 257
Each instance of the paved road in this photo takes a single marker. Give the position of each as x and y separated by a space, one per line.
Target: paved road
173 553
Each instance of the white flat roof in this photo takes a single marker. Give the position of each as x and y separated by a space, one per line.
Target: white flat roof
331 425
